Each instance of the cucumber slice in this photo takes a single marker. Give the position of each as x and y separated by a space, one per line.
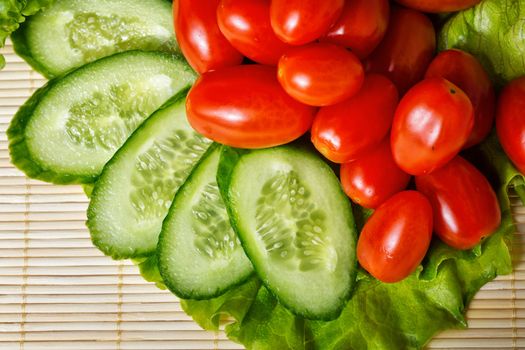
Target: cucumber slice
71 33
136 188
200 256
295 225
71 127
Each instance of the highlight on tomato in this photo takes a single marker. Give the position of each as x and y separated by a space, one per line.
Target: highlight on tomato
373 177
406 50
510 121
199 36
432 123
396 237
246 25
344 131
299 22
465 71
246 107
320 74
465 207
361 26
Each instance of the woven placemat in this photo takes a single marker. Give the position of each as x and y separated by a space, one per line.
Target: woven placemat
58 292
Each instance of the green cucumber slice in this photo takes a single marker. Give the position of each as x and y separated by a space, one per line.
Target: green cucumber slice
136 188
295 225
72 126
71 33
200 256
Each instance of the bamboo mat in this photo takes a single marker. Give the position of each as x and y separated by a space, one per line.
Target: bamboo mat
58 292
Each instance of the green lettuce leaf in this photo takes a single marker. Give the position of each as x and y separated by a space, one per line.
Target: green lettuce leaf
403 315
269 325
14 12
88 189
149 270
233 304
493 32
33 6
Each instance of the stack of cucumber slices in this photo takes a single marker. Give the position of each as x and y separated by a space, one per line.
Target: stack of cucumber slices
212 216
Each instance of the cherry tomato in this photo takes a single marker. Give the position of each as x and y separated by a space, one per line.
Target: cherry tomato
406 50
199 37
344 131
464 70
245 107
510 121
320 74
431 125
438 6
374 177
298 22
465 207
360 27
246 24
396 238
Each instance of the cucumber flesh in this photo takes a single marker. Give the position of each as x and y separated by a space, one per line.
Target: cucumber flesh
71 127
136 188
295 225
71 33
200 256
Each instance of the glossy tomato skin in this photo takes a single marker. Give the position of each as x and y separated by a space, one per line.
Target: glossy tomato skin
374 177
396 237
510 122
245 107
406 50
438 6
344 131
199 37
464 204
465 71
320 74
299 22
431 125
246 25
361 26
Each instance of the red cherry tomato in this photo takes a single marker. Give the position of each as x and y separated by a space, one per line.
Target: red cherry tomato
245 107
464 70
510 121
465 207
344 131
246 24
199 37
374 177
320 74
395 239
298 22
438 6
431 125
406 50
360 27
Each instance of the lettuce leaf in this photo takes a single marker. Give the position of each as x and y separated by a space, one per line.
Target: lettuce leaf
14 12
149 270
233 304
493 32
403 315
